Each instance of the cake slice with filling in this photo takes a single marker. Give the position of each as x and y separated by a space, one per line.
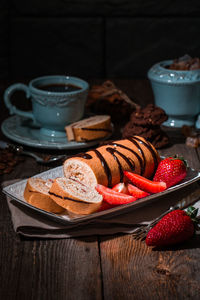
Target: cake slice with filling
36 193
74 196
89 129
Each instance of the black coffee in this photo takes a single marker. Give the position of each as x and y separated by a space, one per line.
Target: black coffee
59 87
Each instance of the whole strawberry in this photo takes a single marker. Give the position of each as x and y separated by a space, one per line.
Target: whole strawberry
171 170
175 227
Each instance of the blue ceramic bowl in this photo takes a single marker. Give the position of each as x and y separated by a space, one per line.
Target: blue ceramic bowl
177 92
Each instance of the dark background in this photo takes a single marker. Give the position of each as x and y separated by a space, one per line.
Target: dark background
94 38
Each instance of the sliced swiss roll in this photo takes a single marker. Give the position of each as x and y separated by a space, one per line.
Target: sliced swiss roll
75 196
36 193
105 164
92 128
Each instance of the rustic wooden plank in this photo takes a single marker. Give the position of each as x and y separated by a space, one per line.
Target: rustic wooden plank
131 270
45 269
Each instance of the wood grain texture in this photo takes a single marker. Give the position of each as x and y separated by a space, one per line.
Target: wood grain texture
56 269
131 270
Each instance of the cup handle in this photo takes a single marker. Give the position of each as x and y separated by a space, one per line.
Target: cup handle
7 99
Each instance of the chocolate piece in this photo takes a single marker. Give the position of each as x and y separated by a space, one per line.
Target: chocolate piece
150 115
108 99
146 132
8 160
188 131
192 141
146 123
160 140
185 63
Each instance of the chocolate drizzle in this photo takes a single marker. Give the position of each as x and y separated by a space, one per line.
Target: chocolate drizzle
97 129
135 153
67 198
149 147
105 166
142 162
128 161
83 155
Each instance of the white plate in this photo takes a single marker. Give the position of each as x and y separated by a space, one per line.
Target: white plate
16 190
22 131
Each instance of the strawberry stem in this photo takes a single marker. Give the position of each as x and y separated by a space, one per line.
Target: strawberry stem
192 213
181 158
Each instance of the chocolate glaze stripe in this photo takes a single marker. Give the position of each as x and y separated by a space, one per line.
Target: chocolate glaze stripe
35 192
82 155
67 198
105 166
135 153
150 148
127 160
118 162
96 129
142 163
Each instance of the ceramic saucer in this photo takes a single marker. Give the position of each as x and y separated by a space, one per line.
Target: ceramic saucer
22 131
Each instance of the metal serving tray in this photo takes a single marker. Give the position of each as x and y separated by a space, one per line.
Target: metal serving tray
16 190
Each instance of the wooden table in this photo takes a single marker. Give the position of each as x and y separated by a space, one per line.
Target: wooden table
97 267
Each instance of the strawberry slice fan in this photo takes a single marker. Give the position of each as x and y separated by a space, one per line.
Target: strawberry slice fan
135 191
112 197
145 184
130 189
175 227
121 188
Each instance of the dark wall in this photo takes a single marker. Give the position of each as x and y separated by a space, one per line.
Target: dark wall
94 38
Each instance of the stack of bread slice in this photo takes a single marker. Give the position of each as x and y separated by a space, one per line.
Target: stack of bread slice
76 193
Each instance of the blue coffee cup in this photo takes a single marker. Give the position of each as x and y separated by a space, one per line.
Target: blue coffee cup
56 102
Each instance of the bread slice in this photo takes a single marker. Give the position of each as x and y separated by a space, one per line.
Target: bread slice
74 196
36 193
105 164
89 129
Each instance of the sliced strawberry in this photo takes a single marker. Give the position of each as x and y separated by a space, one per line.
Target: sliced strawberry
145 184
112 197
136 192
105 205
121 188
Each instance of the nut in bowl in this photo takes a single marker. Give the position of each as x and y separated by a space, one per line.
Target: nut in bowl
177 92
